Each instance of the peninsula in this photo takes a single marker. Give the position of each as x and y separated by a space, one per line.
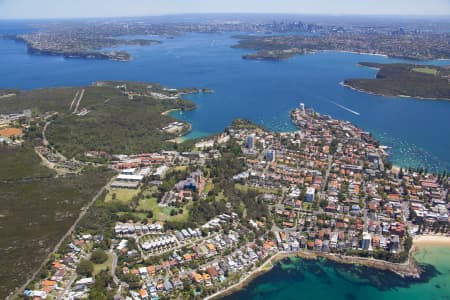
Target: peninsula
405 80
417 46
79 45
201 219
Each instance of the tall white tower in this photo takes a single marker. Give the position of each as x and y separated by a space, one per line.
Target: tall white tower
302 107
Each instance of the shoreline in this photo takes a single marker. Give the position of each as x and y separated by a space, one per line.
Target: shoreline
391 96
165 113
430 240
409 268
264 268
356 52
182 138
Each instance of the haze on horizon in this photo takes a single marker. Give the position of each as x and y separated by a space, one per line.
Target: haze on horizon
45 9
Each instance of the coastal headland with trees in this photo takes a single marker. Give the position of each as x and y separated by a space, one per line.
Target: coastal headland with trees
197 219
405 80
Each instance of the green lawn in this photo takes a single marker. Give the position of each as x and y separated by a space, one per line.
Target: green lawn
122 195
430 71
306 206
163 213
107 264
148 204
221 197
208 186
180 168
244 188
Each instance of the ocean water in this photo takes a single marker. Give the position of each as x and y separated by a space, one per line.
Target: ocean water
264 92
320 280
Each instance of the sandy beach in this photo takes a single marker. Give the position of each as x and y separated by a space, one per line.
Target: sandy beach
432 240
169 111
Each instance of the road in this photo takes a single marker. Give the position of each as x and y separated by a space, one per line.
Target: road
63 294
20 290
325 178
44 138
74 99
114 267
79 100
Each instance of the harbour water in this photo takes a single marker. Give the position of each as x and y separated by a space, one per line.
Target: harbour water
264 92
261 91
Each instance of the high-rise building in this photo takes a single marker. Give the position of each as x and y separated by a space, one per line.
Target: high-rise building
302 107
270 155
367 241
309 196
250 141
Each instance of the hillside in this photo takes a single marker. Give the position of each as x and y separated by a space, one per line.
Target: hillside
420 81
36 209
114 117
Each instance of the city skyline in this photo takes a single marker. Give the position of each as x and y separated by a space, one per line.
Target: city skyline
46 9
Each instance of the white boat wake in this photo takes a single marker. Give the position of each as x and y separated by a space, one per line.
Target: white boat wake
346 108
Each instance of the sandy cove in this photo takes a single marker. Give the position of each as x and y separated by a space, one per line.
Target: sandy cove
407 269
431 240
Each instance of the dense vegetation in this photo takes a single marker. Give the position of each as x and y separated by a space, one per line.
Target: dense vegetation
114 123
405 79
20 162
115 127
36 209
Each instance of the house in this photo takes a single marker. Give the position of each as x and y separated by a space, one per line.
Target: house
177 283
168 286
143 294
197 278
318 244
212 273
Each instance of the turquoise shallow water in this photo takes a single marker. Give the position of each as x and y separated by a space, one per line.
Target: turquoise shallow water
299 279
263 92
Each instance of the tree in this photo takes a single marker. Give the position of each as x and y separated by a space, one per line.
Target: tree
99 256
85 268
99 290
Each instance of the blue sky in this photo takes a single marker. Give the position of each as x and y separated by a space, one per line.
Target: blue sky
23 9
